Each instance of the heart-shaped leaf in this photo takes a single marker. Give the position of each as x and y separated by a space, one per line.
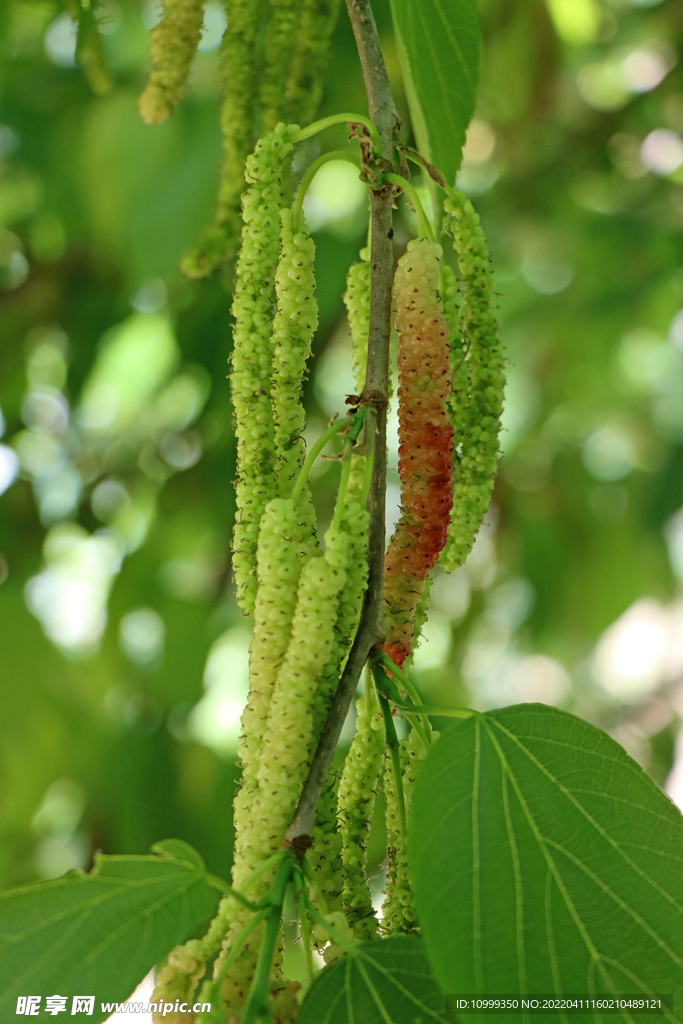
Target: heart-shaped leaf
388 981
99 934
545 860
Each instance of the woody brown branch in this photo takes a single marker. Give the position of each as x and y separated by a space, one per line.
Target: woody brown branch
372 630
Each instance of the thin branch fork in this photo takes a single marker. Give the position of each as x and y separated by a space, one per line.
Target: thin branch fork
372 630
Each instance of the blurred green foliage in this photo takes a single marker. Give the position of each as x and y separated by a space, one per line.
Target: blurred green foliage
123 658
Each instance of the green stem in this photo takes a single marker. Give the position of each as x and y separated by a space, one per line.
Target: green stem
341 493
218 883
346 468
315 452
404 679
263 866
423 224
257 1003
425 710
395 755
327 122
369 695
237 947
451 193
387 687
434 181
305 183
299 886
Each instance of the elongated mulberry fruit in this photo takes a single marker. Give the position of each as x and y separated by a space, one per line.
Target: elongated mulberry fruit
398 915
425 454
357 302
477 401
252 355
356 801
172 46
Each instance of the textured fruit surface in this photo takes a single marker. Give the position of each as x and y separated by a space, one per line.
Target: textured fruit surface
172 46
425 451
477 401
355 805
398 914
296 320
252 356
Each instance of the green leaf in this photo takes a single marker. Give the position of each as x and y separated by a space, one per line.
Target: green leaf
387 981
178 849
545 860
99 934
439 47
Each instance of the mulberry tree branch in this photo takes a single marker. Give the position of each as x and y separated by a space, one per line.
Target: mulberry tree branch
372 630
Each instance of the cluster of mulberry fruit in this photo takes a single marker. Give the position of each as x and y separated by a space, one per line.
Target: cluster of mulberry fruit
305 598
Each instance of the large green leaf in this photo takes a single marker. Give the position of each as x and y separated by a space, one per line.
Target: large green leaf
439 46
545 860
383 982
99 934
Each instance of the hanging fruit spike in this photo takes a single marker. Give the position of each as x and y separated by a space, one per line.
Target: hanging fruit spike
425 440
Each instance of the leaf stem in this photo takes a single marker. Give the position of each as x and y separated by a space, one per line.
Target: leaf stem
263 866
299 888
315 451
402 677
238 946
257 1003
217 883
427 710
327 122
387 687
346 468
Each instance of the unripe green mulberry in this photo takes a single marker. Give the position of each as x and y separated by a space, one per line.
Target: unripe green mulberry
177 980
290 735
459 397
238 72
354 526
279 562
172 46
355 805
89 49
357 302
324 856
425 440
398 915
252 356
295 323
477 460
420 616
280 42
317 19
269 73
